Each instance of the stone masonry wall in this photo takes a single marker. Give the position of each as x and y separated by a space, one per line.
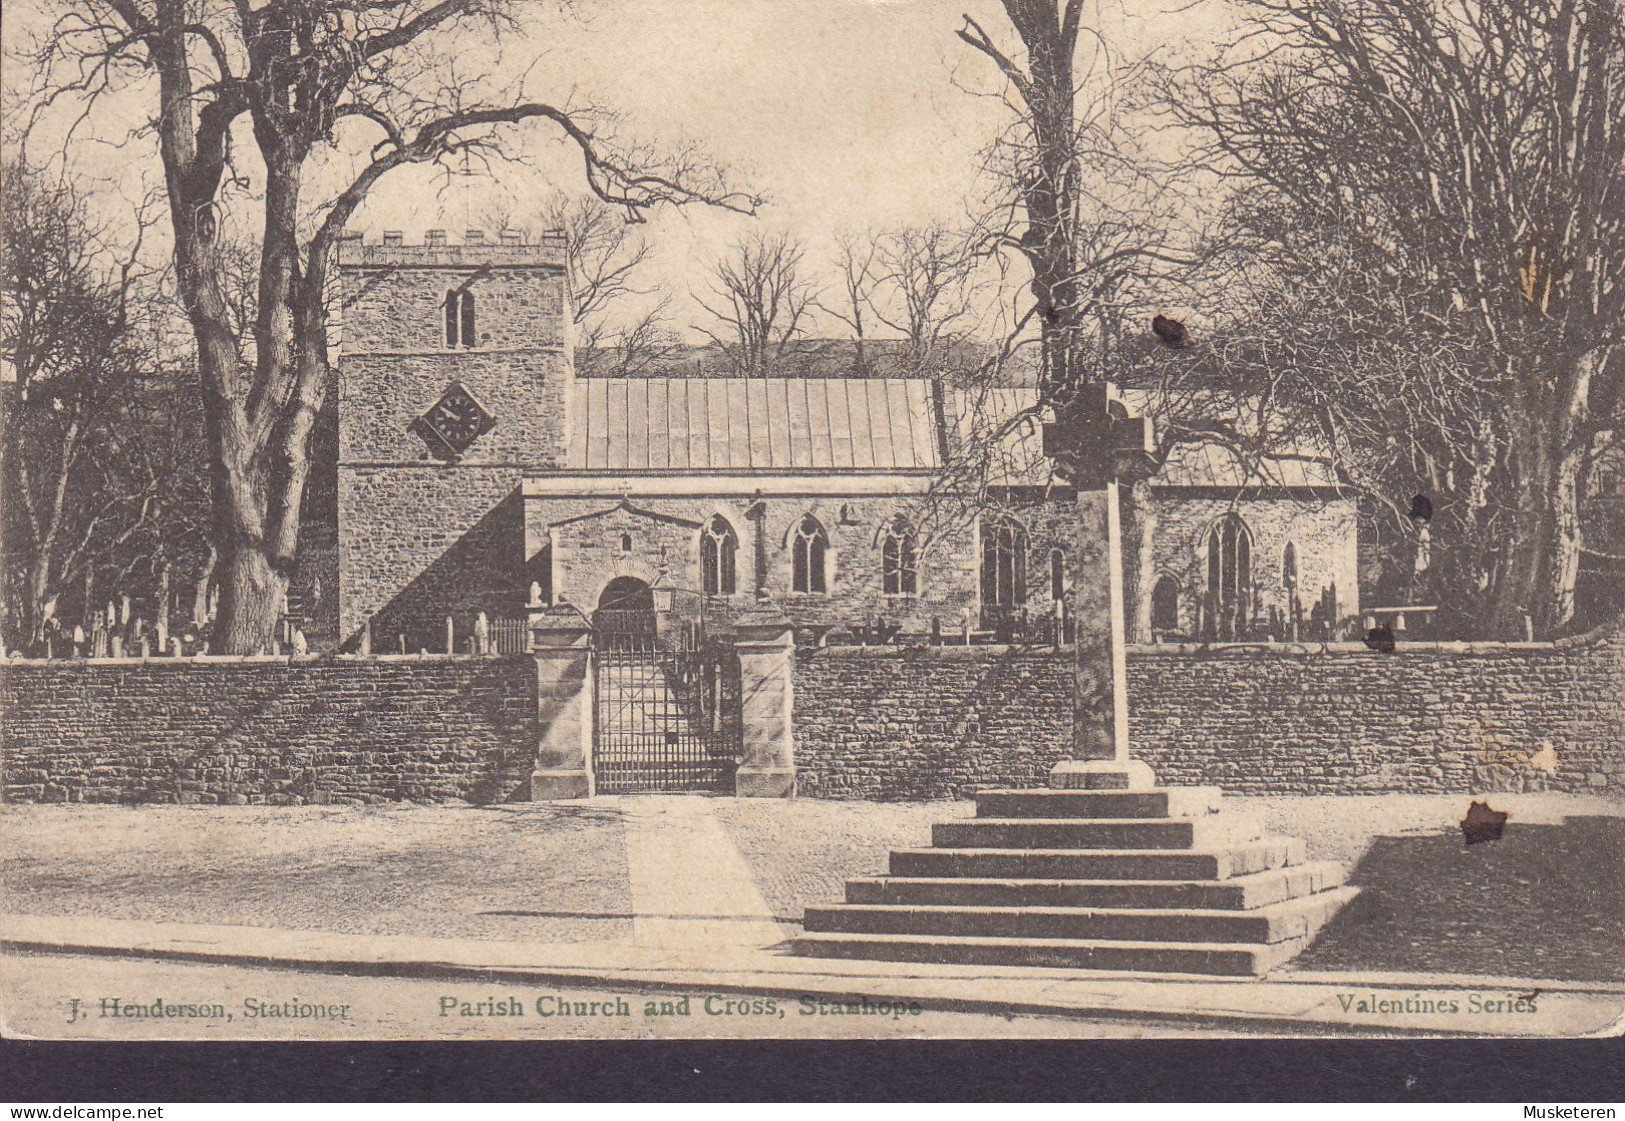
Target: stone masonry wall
1322 530
418 544
1341 719
274 731
893 723
586 536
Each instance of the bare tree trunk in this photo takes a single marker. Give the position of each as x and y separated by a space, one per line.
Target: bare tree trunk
250 595
1567 532
1541 564
39 593
200 591
1567 541
87 609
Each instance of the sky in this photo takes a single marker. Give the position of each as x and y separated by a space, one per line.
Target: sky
846 114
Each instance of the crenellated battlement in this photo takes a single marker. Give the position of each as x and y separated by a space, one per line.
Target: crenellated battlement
436 250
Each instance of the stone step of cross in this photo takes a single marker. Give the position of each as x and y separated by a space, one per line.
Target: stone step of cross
1277 922
1160 958
1238 893
1103 864
1113 833
1190 801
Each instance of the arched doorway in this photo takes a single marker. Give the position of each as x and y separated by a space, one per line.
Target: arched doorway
626 611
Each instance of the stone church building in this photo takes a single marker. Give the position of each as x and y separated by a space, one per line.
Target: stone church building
477 473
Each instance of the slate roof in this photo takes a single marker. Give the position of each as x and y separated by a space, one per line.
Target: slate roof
731 424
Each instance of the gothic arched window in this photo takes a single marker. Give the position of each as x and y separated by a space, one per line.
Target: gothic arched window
1165 604
1230 565
1004 564
459 317
807 556
899 569
718 547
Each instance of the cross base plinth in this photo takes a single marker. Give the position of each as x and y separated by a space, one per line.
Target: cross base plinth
1151 881
1102 774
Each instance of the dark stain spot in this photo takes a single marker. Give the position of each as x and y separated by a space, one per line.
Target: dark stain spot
1482 823
1380 638
1421 507
1170 331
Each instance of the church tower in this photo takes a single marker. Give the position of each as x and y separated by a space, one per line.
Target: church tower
454 378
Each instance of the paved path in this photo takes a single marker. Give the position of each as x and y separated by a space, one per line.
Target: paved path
40 989
692 889
1294 1002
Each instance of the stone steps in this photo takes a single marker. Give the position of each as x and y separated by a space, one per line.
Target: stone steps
1276 922
1208 959
1122 864
1188 801
1236 893
1108 873
1212 831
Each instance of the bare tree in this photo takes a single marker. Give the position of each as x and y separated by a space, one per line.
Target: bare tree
1100 235
637 346
858 267
71 413
926 273
761 301
1433 195
311 79
1072 194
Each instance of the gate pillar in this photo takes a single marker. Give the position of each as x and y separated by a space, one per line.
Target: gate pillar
561 643
767 661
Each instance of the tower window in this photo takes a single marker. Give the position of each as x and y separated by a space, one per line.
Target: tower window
718 547
626 542
1057 574
899 569
808 556
459 318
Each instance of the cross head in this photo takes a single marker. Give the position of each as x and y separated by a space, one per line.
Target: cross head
1094 441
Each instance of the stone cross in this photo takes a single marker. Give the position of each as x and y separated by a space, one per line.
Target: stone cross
1095 445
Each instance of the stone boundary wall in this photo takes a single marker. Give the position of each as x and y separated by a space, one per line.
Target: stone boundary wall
873 722
268 730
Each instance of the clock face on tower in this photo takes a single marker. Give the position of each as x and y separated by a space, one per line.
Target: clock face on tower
454 422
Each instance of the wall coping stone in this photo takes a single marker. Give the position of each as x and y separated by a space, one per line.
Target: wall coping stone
944 653
256 659
1478 648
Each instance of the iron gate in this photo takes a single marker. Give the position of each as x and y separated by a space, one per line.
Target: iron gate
667 713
